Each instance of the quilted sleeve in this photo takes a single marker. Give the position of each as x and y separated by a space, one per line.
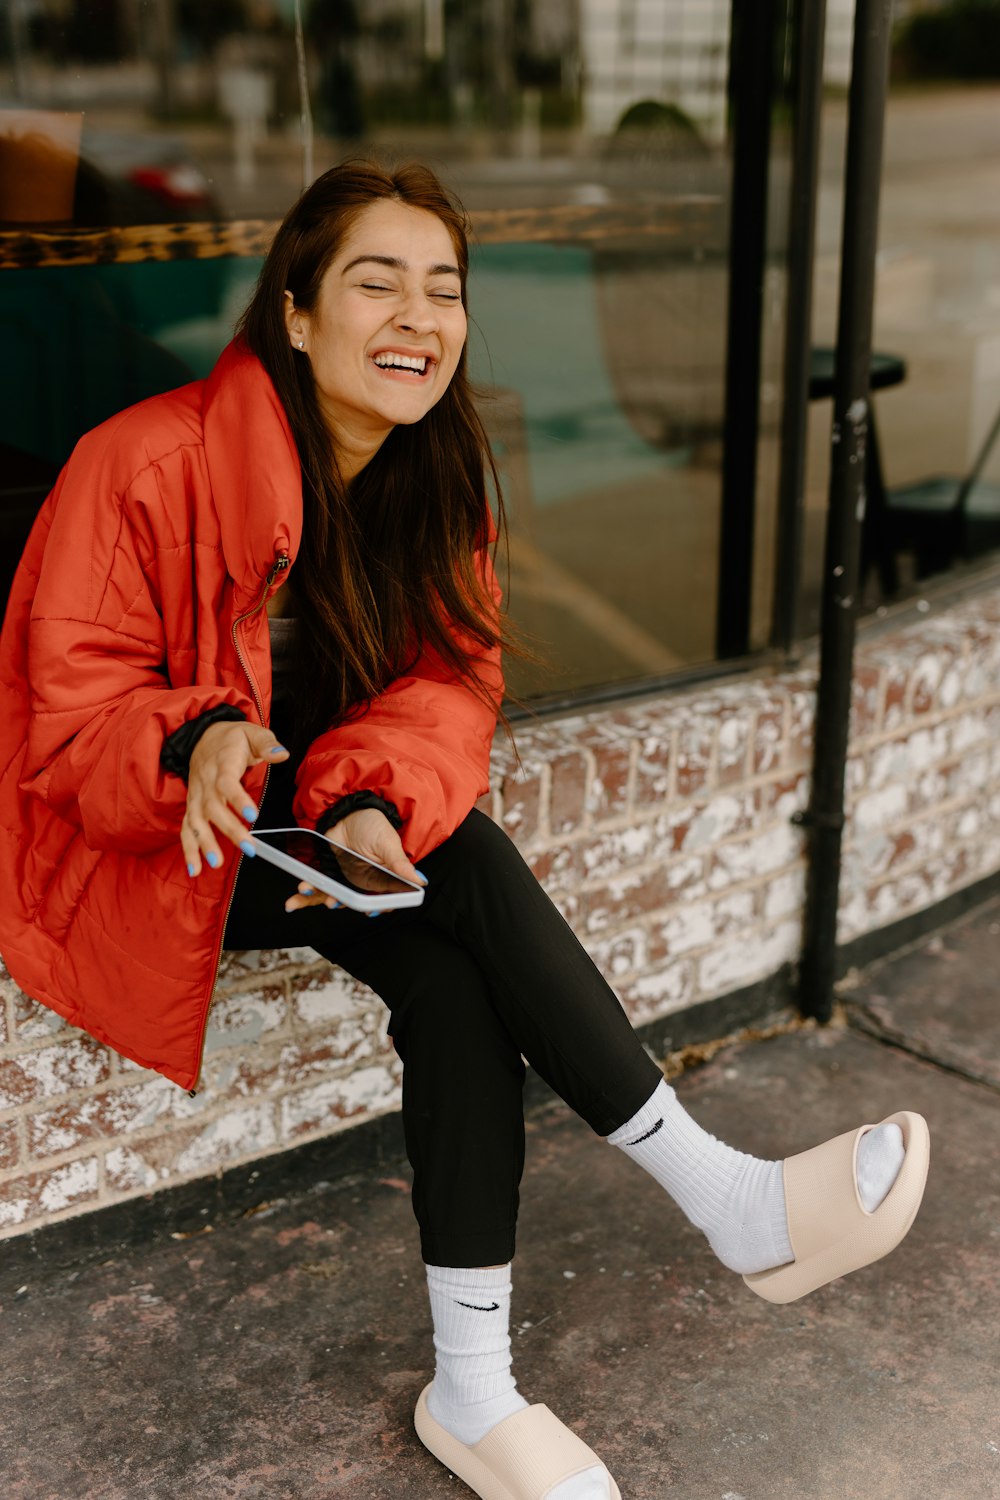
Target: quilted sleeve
424 745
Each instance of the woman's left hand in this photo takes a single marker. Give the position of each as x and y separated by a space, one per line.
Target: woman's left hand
369 833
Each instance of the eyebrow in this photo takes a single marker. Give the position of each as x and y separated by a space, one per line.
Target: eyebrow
396 264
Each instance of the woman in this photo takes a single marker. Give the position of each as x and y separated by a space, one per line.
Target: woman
301 544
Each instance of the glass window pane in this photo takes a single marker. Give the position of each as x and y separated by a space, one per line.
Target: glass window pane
937 307
589 141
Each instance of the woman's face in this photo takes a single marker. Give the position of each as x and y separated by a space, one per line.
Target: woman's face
389 325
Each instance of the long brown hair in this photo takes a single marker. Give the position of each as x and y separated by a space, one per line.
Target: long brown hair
388 564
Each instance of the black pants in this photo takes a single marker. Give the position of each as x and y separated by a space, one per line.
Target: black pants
484 971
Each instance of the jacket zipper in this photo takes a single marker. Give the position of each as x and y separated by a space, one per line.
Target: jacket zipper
280 565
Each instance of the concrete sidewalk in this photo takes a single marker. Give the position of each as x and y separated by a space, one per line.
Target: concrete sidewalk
280 1356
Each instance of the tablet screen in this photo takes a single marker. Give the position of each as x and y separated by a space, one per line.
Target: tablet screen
316 851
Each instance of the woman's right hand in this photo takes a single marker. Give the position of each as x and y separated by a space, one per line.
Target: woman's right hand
216 799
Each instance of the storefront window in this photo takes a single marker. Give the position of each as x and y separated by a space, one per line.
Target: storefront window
590 141
937 305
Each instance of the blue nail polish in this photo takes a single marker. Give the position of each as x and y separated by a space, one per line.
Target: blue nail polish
249 814
422 878
374 913
215 860
276 750
248 848
191 871
306 890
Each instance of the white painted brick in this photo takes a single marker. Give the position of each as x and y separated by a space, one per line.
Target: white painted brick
240 1133
77 1179
622 953
562 868
702 923
976 771
47 1072
969 729
796 799
928 671
785 894
331 998
242 1018
717 820
36 1021
14 1207
743 959
368 1090
876 809
853 916
126 1172
758 855
900 760
855 776
666 988
612 852
977 680
732 732
654 768
690 928
969 823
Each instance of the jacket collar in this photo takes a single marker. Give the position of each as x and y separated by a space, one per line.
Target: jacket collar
254 468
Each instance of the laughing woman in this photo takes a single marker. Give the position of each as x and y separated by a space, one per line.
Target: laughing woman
271 594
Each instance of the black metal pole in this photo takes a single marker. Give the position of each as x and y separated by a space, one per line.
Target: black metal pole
825 818
809 28
751 75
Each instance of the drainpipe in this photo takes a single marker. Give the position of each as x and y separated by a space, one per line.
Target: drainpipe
825 816
809 29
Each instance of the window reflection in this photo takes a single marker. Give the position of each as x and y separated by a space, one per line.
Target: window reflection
588 139
937 312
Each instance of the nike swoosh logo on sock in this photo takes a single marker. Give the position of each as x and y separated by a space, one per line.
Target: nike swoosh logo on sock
475 1306
656 1127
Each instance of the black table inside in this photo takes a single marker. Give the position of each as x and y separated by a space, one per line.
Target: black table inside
887 370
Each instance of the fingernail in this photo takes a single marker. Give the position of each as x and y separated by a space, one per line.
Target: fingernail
306 890
191 871
422 878
249 814
374 913
248 848
215 860
276 750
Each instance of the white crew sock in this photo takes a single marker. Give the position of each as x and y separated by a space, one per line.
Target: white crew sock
473 1387
738 1201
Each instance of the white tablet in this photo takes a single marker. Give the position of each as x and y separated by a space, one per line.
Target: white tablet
359 883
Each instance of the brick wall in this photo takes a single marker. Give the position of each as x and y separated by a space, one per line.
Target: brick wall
662 830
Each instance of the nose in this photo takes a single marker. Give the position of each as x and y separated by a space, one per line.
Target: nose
416 315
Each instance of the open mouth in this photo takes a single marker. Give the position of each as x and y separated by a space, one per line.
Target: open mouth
403 366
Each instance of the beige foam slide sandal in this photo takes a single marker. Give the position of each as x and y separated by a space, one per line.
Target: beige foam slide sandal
831 1231
523 1458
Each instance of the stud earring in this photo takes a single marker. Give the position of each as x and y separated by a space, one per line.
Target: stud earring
302 343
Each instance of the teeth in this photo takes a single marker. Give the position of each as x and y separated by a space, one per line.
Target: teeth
401 362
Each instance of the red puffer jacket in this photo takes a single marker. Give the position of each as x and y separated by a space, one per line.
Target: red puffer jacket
139 604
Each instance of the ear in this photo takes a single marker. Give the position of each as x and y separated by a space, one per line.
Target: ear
297 324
